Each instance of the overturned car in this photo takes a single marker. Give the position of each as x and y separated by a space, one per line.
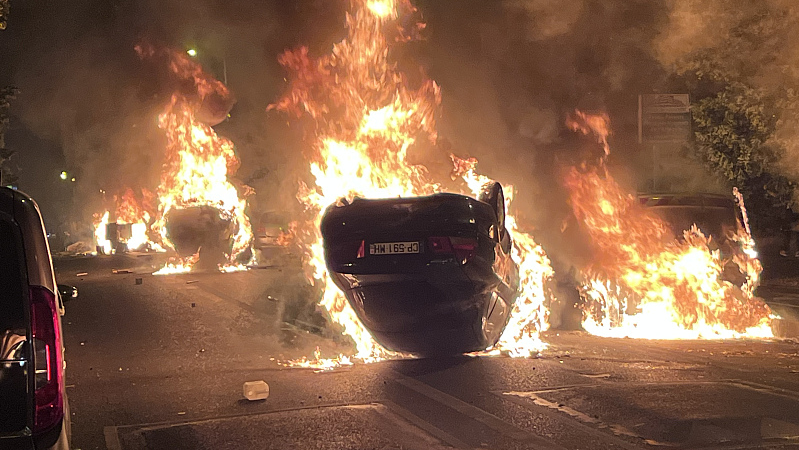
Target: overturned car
426 275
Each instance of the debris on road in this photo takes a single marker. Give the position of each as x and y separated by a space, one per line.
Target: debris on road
193 304
121 271
81 274
256 390
192 281
139 281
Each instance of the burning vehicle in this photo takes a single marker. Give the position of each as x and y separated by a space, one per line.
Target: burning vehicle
127 229
197 213
429 275
715 215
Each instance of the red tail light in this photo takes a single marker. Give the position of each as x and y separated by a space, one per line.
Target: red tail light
463 248
440 245
361 250
49 365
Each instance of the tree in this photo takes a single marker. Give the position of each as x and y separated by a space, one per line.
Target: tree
740 73
7 175
4 10
734 138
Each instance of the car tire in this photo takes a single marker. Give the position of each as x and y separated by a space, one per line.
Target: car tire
493 194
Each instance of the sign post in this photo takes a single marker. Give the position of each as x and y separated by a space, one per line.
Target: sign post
664 127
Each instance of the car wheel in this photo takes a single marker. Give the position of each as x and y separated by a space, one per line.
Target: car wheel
493 194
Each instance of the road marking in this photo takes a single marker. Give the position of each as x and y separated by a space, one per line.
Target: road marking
529 404
112 438
429 428
474 412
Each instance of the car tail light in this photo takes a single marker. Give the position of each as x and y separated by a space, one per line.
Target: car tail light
463 248
440 245
49 367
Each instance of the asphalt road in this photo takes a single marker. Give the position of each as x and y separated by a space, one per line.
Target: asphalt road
159 362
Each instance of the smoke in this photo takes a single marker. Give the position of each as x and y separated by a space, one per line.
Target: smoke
753 43
509 71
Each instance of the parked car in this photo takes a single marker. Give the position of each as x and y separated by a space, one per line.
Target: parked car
34 412
426 275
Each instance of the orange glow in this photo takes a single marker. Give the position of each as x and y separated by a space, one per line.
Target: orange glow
129 210
197 171
643 283
366 119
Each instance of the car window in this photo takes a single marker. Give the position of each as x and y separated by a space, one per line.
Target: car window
12 304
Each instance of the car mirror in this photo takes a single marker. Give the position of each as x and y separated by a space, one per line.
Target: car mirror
67 292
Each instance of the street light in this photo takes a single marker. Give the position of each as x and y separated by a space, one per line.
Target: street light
193 53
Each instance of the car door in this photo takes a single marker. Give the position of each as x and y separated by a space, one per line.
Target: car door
14 350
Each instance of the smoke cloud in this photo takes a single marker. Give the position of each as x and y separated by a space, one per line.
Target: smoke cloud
510 72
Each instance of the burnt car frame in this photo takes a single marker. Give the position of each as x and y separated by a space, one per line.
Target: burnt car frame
428 275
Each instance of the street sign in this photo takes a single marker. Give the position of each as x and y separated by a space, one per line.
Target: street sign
664 118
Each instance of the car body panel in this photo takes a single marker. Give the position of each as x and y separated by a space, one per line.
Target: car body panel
714 214
425 303
25 255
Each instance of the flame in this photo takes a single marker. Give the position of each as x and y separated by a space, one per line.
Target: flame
100 237
529 317
129 210
646 284
199 164
196 171
366 118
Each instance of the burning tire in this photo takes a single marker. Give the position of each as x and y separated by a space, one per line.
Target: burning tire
200 229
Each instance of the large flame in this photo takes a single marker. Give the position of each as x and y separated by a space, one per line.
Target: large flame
198 164
366 119
645 283
129 211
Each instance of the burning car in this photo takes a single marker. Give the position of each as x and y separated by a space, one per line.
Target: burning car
428 275
715 215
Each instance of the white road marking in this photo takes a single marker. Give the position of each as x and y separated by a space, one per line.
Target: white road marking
111 438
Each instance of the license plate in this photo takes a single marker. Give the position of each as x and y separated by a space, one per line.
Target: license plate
393 248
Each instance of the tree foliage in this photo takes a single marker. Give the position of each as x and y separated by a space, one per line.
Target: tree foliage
5 8
7 94
743 107
734 136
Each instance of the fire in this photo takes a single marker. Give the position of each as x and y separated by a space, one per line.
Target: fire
528 319
366 119
198 164
197 172
132 221
646 284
